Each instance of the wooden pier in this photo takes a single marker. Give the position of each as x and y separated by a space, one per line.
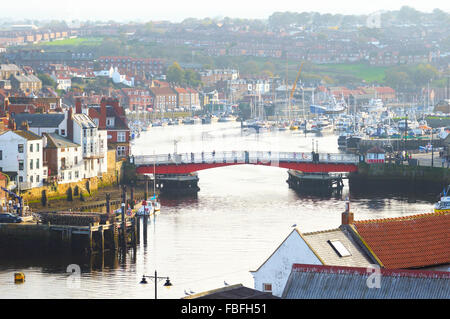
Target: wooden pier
85 232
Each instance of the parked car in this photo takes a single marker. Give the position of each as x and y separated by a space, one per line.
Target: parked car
10 218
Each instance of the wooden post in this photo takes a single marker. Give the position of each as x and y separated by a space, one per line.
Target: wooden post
90 247
102 238
138 230
132 197
146 188
145 228
108 206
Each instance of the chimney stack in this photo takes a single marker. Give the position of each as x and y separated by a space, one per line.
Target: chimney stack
347 216
78 106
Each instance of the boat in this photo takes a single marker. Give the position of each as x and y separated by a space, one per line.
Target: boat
146 209
443 205
374 106
227 118
330 107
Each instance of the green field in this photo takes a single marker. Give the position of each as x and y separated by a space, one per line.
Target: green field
75 42
360 71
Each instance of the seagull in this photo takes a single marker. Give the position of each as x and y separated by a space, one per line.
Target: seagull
186 293
295 225
225 283
191 292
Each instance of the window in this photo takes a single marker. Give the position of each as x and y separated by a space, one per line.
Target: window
121 151
31 164
63 132
37 178
84 132
70 175
31 179
1 155
92 148
62 176
37 163
121 137
20 148
37 147
31 148
267 287
339 248
76 160
76 174
20 179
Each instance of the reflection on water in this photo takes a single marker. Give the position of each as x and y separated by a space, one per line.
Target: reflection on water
241 214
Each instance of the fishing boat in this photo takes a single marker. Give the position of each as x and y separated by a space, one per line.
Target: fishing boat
443 205
332 106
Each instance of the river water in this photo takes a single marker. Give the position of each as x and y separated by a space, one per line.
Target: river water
241 214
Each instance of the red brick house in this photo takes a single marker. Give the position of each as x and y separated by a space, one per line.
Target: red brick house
137 99
110 116
164 98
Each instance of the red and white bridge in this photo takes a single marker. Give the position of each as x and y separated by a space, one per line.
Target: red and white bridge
186 163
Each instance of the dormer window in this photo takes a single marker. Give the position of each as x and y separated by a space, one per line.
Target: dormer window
109 121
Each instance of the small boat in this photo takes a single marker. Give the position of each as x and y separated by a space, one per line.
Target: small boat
443 205
147 209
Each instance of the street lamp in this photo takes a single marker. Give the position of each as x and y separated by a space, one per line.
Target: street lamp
156 279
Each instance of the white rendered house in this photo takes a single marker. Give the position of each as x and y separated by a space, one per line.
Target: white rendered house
22 152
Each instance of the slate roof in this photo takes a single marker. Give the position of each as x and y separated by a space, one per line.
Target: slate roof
28 135
318 241
56 141
83 120
336 282
119 124
39 120
408 242
233 292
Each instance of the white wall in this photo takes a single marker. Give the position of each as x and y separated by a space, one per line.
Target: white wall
9 142
277 268
69 173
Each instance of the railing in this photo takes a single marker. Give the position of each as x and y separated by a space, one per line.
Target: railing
243 157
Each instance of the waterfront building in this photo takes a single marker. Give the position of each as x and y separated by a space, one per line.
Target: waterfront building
375 155
82 130
410 242
21 157
164 98
338 282
331 247
64 159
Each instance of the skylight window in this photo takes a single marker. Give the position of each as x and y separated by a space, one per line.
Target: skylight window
339 248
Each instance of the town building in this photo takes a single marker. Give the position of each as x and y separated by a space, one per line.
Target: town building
26 83
64 159
8 70
137 99
82 130
134 65
339 282
410 242
164 98
110 117
21 157
42 123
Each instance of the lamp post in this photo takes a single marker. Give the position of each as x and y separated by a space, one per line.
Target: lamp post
156 279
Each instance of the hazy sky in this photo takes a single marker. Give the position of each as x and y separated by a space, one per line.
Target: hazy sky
177 10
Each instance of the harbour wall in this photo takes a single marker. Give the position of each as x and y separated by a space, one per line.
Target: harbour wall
393 178
397 144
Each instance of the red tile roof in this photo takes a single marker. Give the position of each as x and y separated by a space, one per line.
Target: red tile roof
408 242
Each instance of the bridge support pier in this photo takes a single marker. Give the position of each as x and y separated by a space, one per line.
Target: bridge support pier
178 185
